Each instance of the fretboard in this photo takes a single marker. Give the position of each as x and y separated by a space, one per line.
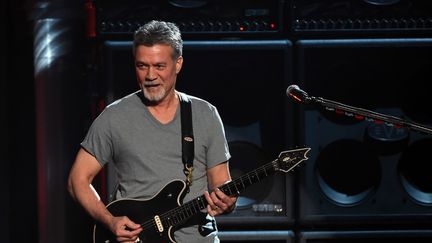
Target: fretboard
189 209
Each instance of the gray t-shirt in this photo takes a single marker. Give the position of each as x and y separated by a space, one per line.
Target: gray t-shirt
146 154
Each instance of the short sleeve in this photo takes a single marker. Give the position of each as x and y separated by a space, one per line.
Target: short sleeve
218 151
98 140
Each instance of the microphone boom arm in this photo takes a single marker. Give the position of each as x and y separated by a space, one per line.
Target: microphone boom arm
390 120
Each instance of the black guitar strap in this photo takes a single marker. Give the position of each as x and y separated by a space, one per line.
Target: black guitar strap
187 137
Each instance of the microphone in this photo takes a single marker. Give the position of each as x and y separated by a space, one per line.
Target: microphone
297 94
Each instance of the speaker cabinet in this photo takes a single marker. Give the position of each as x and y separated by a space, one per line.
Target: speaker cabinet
257 236
222 18
366 18
360 170
373 236
246 81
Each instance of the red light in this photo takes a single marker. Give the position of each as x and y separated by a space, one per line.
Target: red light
273 25
339 112
359 117
241 28
296 98
91 19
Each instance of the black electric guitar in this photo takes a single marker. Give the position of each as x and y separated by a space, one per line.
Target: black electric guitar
164 213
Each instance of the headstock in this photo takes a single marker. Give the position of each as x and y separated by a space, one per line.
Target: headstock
289 159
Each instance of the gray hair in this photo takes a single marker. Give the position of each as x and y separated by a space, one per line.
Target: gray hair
159 32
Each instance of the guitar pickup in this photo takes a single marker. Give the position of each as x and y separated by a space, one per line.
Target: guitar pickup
158 224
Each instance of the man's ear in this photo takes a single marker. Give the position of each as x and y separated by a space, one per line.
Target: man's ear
179 64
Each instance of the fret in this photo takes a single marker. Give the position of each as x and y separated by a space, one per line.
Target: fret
257 176
241 180
170 220
235 185
186 210
265 171
232 189
250 182
274 166
229 190
260 174
252 177
201 202
196 204
179 218
173 220
184 213
191 207
167 221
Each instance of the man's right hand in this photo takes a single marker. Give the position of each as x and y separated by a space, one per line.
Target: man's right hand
125 229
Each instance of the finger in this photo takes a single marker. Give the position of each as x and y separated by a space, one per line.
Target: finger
127 238
132 226
214 197
128 233
209 200
135 232
213 211
212 208
220 199
221 195
228 200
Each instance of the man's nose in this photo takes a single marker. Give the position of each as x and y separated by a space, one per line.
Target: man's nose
151 74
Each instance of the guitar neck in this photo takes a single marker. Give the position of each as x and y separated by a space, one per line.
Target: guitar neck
187 210
239 184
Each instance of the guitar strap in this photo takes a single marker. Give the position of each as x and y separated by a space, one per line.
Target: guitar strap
187 137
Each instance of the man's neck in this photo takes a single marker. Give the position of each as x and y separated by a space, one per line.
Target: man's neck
165 110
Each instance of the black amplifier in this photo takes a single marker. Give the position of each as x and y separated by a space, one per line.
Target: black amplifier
195 17
361 16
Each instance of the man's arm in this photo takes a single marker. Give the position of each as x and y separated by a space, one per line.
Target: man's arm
83 171
218 202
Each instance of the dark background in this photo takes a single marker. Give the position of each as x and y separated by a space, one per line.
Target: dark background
18 175
352 189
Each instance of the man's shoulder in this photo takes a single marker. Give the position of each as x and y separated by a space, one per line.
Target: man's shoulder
121 107
126 101
198 102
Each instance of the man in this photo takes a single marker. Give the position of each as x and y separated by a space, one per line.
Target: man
140 135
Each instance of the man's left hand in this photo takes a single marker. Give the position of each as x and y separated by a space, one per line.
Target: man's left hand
219 203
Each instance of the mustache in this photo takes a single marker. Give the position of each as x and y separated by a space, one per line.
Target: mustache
150 83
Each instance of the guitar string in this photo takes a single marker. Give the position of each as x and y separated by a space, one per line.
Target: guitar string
177 210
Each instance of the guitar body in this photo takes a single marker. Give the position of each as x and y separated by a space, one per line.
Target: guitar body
139 211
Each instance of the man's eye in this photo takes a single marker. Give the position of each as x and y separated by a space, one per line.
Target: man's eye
160 67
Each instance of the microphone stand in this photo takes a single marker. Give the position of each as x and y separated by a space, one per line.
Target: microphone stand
369 115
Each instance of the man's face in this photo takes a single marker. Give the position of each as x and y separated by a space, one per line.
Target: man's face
156 71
